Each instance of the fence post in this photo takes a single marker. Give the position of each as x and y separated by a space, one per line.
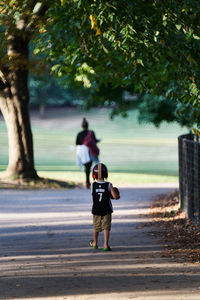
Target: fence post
198 183
190 179
185 179
181 172
189 176
195 189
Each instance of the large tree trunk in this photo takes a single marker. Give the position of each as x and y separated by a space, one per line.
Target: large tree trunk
14 102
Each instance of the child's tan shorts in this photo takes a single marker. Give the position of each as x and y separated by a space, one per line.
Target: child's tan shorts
102 222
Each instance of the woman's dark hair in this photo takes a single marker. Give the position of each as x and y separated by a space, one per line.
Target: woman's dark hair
84 123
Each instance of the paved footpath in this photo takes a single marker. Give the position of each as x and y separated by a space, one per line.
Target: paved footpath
44 252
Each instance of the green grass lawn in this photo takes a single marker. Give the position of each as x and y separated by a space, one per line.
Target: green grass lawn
133 153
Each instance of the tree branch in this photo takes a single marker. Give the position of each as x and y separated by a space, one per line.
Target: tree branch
84 45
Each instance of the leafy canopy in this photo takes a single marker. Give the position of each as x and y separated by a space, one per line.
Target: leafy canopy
148 47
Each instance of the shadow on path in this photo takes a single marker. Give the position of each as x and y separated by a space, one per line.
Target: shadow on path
44 249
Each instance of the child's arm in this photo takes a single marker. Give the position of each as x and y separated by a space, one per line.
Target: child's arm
114 192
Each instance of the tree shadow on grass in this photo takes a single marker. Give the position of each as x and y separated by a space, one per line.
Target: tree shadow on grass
40 183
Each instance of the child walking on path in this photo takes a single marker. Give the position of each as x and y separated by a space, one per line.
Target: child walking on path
102 193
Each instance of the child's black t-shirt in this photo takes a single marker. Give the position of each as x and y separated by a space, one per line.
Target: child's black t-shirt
101 198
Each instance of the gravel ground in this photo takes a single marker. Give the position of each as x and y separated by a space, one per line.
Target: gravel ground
44 252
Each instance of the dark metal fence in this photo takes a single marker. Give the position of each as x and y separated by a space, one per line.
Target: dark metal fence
189 175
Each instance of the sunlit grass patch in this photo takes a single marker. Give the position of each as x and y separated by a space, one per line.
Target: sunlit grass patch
133 153
122 179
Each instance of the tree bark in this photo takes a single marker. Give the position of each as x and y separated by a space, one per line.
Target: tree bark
14 104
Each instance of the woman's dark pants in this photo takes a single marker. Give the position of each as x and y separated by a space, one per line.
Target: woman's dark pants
87 173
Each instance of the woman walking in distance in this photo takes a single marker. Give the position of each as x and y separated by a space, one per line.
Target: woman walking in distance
87 151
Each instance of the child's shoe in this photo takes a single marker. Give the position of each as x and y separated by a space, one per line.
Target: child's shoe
91 245
107 249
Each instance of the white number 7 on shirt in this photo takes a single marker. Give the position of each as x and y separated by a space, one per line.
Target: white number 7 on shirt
100 196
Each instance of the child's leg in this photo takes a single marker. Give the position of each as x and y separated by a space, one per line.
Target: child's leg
97 228
106 237
107 226
95 237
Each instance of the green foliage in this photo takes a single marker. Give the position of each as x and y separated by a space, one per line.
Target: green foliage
156 109
151 46
45 90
